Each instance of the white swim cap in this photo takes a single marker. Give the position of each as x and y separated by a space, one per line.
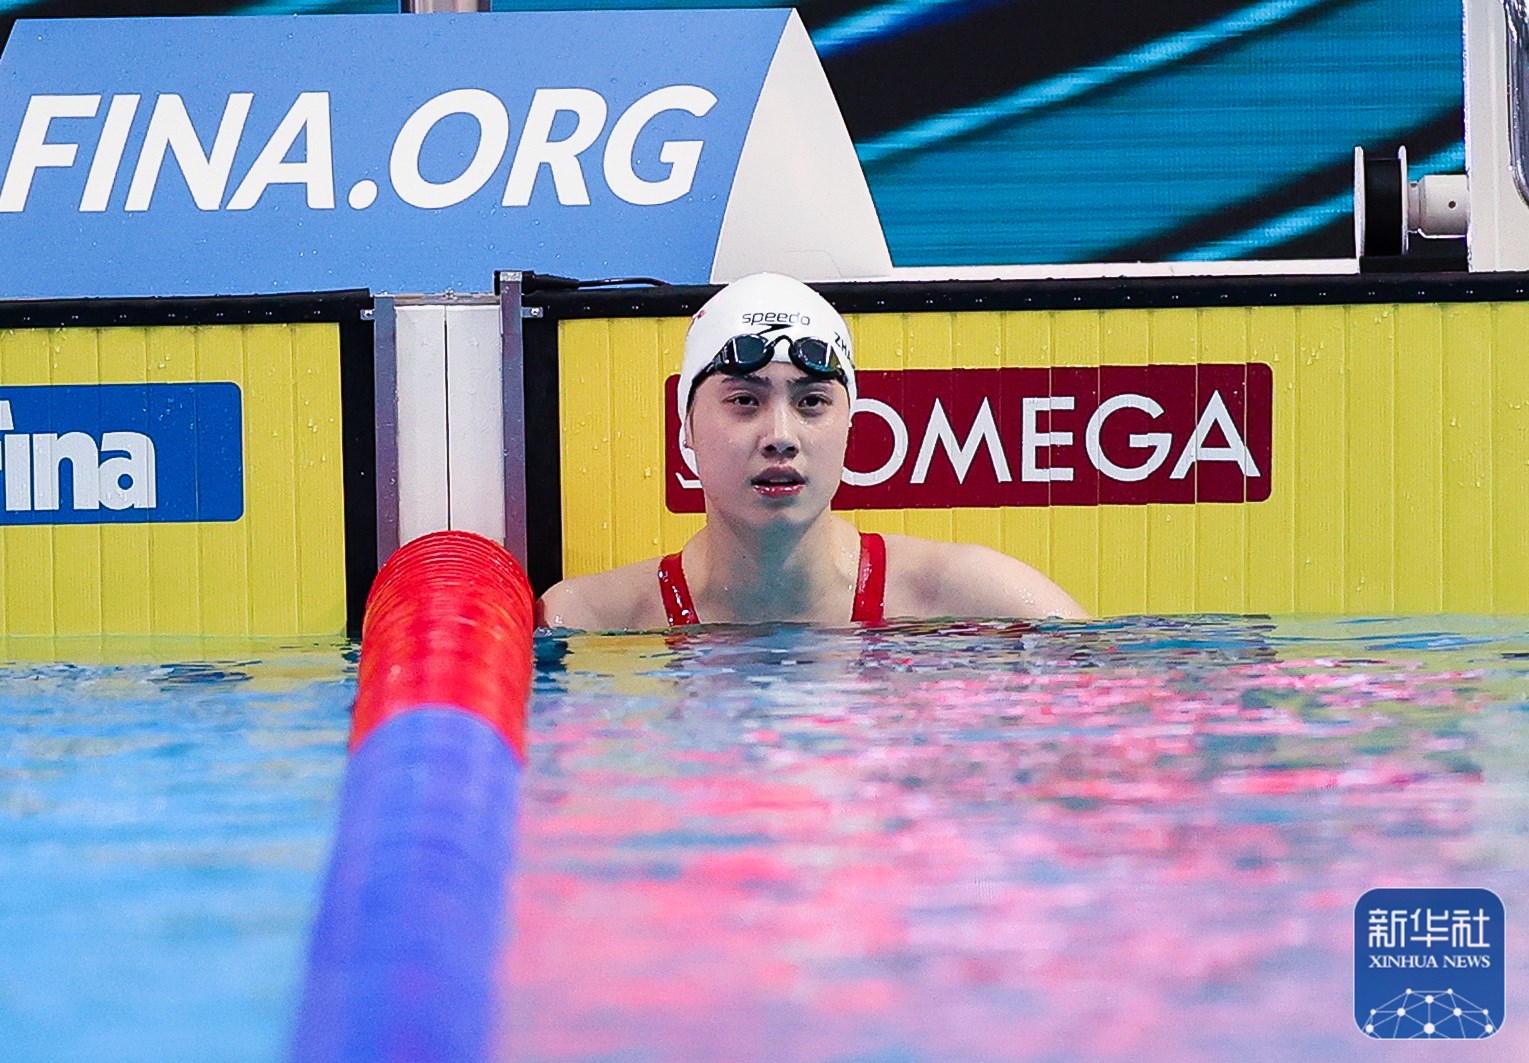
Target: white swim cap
766 304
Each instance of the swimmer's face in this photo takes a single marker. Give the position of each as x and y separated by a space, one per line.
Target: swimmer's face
769 446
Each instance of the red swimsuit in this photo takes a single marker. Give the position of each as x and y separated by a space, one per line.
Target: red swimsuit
870 586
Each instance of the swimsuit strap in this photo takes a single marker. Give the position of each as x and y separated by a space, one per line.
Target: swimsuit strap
871 585
675 592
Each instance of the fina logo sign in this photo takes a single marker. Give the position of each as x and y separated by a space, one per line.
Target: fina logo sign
1069 436
121 453
208 168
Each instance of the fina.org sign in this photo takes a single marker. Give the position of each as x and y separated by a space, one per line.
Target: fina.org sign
387 152
1070 436
207 169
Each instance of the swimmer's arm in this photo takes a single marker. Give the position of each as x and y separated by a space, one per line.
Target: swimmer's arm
978 581
603 601
563 606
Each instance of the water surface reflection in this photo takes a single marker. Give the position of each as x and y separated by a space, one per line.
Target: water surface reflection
1134 839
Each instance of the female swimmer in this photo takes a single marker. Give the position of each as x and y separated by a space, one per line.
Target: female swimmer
766 391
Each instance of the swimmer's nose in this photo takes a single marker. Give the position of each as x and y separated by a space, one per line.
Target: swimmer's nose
780 436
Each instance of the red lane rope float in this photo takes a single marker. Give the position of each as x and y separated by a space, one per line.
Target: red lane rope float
448 623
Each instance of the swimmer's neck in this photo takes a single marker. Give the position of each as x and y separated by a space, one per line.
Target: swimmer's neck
742 572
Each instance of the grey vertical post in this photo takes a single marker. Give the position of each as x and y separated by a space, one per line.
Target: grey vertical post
512 339
385 417
425 7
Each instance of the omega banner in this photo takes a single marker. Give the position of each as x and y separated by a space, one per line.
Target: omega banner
937 438
201 156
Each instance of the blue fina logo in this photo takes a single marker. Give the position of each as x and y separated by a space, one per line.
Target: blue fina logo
1428 964
121 453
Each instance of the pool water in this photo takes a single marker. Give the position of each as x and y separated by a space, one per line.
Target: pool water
1121 840
162 834
1126 840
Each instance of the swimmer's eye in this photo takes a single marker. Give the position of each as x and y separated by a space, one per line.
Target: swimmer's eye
743 398
816 400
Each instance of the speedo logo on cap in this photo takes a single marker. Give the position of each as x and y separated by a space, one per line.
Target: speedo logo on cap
776 317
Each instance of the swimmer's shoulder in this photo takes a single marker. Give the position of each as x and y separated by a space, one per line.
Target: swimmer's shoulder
926 578
619 599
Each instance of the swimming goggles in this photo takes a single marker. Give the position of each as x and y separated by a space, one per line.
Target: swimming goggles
749 353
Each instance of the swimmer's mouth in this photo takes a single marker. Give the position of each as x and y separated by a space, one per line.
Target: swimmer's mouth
778 482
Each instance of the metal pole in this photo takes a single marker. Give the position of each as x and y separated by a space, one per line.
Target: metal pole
425 7
512 338
385 420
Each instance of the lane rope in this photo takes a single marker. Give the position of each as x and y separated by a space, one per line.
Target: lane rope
414 916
